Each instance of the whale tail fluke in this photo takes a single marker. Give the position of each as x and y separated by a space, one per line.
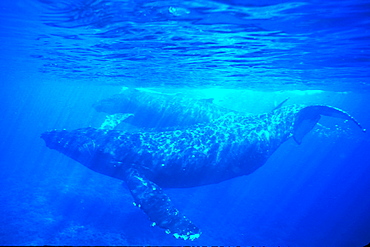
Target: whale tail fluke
310 115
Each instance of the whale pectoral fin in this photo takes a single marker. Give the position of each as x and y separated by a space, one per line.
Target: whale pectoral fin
157 205
310 115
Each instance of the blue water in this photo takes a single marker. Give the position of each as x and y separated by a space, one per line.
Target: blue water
60 57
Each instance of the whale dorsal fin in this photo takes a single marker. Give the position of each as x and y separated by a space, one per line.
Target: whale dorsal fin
280 104
308 117
157 205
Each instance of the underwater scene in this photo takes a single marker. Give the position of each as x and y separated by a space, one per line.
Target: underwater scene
185 123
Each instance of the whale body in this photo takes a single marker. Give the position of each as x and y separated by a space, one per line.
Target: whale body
231 146
157 110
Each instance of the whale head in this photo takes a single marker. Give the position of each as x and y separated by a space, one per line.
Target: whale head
125 102
83 146
73 144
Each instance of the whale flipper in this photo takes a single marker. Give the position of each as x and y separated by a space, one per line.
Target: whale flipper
157 205
308 117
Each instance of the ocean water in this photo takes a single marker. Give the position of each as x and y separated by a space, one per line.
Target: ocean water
58 58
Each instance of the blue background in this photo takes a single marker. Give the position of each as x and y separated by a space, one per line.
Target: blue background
58 58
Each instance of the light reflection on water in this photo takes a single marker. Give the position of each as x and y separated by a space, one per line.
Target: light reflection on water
201 43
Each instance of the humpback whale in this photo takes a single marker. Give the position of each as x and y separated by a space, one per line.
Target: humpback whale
157 110
206 153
